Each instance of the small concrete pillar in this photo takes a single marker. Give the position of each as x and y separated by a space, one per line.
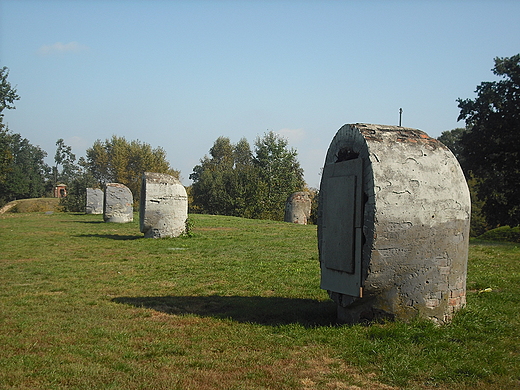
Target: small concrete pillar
298 208
94 201
118 203
163 206
393 225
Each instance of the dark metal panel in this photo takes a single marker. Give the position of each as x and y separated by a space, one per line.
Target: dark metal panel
338 223
342 216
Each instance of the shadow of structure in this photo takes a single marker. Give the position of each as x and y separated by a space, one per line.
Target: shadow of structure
112 236
259 310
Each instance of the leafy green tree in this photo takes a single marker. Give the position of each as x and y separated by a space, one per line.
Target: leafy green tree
76 199
7 98
452 139
491 144
116 160
478 222
26 172
8 94
6 156
67 160
279 175
231 181
213 179
244 178
22 167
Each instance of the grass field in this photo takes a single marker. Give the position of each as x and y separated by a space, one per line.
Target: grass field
90 305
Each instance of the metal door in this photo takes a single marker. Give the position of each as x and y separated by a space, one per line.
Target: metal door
341 230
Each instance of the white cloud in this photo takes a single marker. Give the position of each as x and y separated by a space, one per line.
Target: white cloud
77 143
293 135
58 47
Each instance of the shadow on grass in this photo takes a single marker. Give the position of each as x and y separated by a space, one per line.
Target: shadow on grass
112 236
260 310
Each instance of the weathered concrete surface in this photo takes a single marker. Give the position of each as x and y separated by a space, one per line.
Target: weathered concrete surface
298 208
117 204
94 201
415 223
163 206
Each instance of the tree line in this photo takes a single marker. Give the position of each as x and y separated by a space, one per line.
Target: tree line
232 181
24 173
236 180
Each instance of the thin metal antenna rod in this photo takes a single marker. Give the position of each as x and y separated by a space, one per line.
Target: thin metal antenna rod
400 116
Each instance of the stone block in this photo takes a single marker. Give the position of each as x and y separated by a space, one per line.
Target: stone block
163 206
118 203
94 201
298 208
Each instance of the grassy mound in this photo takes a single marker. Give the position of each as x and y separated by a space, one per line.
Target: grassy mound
503 233
32 205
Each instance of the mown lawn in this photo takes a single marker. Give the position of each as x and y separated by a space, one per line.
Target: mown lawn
90 305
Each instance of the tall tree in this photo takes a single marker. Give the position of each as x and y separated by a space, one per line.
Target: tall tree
77 185
212 179
231 181
8 94
22 169
6 156
116 160
66 159
244 176
491 145
452 139
26 172
279 173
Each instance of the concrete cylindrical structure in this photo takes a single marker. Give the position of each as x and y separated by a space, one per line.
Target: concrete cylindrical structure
393 225
94 203
163 206
118 203
298 208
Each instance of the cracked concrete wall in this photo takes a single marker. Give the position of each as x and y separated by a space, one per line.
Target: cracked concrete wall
416 224
163 206
298 208
94 201
117 204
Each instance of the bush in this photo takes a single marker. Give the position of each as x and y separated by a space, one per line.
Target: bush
503 233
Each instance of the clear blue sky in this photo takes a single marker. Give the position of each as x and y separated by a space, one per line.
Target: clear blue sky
179 74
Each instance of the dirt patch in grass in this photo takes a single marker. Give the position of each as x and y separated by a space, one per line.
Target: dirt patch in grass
303 369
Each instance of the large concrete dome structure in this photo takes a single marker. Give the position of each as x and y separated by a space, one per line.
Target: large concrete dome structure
393 225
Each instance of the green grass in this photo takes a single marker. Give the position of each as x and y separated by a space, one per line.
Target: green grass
90 305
